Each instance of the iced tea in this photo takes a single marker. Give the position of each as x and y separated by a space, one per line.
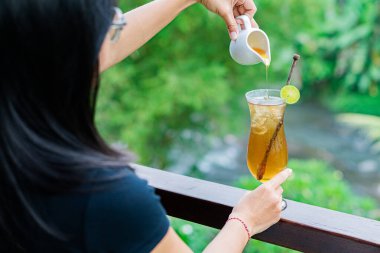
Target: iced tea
267 152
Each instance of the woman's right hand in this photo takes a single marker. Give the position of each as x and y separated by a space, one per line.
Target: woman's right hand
229 9
261 208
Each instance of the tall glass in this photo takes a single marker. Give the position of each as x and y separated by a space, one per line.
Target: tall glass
267 152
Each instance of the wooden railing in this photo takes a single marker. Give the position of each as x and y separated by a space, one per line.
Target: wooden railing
302 227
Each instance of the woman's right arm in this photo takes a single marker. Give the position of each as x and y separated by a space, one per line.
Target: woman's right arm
147 20
258 209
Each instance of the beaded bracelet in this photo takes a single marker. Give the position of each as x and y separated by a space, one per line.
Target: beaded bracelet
243 223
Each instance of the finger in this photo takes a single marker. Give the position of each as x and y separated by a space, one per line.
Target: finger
228 17
253 8
279 191
242 11
280 178
240 22
254 23
248 6
280 204
236 13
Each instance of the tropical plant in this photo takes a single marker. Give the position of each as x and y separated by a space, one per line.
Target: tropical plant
344 53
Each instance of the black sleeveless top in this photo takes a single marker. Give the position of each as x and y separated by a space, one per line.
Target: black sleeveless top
126 216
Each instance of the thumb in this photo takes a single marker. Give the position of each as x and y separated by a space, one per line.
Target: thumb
231 24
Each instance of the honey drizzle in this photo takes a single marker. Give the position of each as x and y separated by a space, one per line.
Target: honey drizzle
265 58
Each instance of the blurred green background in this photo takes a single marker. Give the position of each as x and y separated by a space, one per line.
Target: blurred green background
181 93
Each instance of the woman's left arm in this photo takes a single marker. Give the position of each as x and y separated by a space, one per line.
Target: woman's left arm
147 20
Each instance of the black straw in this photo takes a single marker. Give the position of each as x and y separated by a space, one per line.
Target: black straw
296 57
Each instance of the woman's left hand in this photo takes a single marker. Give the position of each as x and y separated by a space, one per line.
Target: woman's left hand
229 9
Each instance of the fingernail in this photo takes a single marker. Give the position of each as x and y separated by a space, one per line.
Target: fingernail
233 35
290 171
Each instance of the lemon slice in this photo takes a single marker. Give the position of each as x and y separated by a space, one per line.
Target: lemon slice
290 94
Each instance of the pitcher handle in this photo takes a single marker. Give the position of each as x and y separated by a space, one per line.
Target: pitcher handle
246 21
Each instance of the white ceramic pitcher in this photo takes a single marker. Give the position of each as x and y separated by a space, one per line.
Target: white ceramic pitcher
241 49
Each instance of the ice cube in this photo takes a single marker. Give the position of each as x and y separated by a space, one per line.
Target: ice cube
259 130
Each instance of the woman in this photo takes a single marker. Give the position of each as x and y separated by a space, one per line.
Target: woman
62 189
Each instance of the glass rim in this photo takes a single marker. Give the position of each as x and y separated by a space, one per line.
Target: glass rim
260 92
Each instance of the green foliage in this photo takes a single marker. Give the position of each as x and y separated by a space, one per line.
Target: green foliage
344 52
179 80
313 182
194 235
356 103
185 78
148 113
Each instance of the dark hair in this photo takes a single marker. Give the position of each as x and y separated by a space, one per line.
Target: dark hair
48 84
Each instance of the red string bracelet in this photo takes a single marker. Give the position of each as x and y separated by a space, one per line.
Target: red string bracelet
243 223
